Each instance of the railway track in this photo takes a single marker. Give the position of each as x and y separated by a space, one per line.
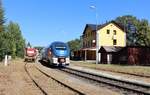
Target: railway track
52 78
37 85
130 88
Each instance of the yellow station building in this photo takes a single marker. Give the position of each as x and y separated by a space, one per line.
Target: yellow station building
111 34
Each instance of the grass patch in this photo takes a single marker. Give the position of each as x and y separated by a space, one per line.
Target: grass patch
140 70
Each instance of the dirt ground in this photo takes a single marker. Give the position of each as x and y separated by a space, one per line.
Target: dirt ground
15 81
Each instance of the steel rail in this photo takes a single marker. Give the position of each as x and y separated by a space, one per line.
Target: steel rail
65 85
121 72
25 67
120 84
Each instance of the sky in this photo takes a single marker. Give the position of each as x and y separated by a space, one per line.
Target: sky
45 21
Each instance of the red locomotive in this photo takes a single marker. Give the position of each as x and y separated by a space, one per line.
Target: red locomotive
30 54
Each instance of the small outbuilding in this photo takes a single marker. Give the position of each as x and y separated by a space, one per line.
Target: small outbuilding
109 54
132 55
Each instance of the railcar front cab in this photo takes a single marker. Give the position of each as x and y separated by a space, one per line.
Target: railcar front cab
58 55
60 61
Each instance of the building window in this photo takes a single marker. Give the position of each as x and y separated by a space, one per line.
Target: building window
114 42
115 32
108 31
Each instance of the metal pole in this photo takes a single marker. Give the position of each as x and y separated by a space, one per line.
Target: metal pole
97 35
125 32
97 39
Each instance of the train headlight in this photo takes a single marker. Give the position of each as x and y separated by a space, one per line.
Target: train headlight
67 60
55 60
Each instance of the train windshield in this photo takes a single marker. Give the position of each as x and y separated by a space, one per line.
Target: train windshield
60 47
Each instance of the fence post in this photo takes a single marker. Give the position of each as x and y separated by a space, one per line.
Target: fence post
5 61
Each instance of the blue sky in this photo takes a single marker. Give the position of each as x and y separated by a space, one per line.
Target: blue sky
45 21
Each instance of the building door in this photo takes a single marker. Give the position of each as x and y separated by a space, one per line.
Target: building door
103 58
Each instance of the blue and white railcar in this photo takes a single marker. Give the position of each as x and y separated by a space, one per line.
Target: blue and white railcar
58 54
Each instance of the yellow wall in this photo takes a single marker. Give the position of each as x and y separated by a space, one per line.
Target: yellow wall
107 39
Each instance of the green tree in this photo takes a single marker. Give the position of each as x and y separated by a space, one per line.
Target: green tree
74 44
142 35
2 18
5 44
11 40
17 42
2 33
2 45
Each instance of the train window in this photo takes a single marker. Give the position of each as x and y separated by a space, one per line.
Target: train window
60 48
